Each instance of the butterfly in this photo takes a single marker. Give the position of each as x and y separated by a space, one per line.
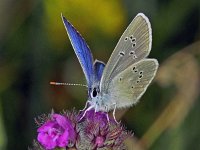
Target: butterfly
124 79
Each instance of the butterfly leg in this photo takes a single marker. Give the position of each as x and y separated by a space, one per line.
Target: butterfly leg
89 108
107 116
114 111
95 110
85 106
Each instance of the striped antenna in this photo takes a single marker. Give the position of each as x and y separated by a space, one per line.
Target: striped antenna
73 84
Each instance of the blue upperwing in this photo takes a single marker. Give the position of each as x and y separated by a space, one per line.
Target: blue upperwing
82 51
98 69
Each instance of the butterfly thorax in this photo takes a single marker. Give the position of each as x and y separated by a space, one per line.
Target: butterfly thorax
98 104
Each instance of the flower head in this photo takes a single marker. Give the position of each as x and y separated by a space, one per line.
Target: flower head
56 132
94 131
97 131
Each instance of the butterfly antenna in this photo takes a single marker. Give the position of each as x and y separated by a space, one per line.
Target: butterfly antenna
73 84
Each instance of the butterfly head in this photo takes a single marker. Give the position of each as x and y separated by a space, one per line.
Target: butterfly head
94 92
95 99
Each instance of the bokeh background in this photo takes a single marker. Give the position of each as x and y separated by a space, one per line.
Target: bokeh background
35 49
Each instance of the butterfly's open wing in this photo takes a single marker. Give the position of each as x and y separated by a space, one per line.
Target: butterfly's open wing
128 86
82 51
134 45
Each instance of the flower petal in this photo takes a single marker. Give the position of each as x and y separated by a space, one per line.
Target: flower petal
63 140
61 120
66 124
46 141
46 126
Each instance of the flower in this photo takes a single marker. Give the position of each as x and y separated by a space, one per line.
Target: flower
56 132
94 131
97 131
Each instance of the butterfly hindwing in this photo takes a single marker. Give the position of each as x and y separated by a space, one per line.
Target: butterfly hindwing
129 85
98 69
82 51
134 45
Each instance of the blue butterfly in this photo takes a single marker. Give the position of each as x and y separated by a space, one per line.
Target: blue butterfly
124 79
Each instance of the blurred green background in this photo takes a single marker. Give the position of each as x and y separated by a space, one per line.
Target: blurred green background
35 49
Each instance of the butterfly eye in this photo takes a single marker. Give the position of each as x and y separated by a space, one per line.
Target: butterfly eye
94 93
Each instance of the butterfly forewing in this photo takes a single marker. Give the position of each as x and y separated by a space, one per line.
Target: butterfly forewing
134 45
82 51
128 86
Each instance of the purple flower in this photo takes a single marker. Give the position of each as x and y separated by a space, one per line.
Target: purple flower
94 131
97 132
56 132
